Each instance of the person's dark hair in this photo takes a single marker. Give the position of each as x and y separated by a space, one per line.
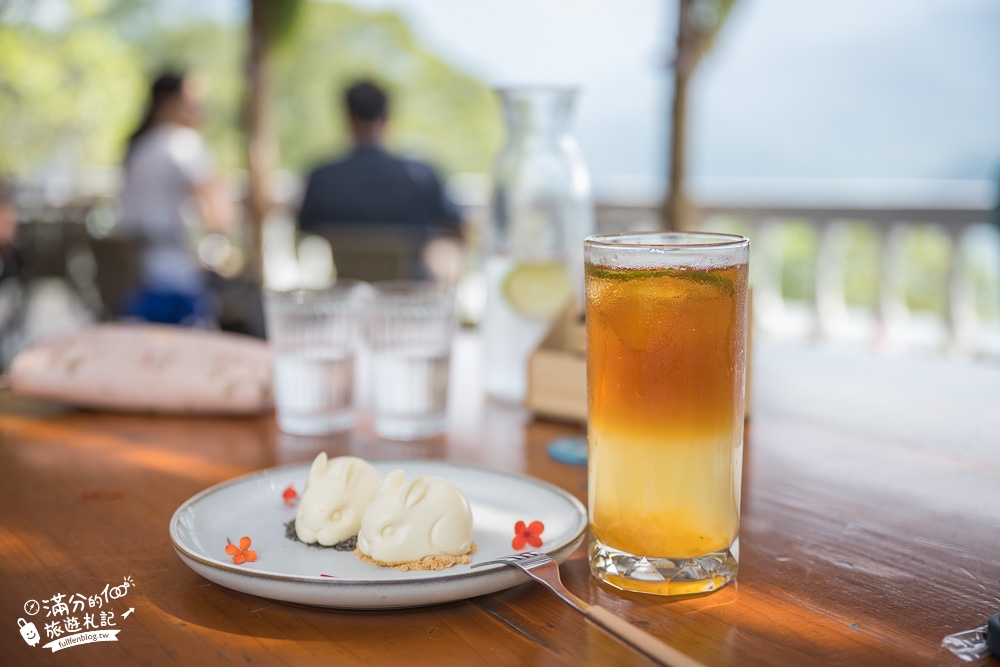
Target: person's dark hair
166 86
366 101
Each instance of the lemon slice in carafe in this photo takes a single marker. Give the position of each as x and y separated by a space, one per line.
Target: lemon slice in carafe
538 290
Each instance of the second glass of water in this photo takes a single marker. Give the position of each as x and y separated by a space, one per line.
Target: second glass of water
312 334
410 328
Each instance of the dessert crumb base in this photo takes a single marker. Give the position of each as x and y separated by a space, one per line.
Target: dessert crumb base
439 562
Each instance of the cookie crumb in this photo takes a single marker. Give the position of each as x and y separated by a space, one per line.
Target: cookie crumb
439 562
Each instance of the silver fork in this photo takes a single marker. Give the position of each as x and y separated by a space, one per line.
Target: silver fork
545 571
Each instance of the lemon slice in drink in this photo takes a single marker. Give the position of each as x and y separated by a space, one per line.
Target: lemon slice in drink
538 290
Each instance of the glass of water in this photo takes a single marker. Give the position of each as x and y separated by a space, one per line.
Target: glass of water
410 325
313 335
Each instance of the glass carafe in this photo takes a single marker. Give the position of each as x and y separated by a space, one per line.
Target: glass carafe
540 212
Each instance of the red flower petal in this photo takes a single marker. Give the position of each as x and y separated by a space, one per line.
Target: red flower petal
518 542
519 527
244 543
251 556
238 559
535 541
232 549
536 527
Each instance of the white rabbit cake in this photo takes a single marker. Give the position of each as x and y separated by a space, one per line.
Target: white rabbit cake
424 524
335 497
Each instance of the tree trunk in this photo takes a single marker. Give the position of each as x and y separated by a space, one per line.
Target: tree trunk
260 146
677 211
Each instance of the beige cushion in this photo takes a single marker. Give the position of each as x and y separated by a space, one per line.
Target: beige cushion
148 368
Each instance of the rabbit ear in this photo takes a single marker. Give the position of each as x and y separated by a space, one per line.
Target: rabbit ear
319 466
416 492
394 480
349 473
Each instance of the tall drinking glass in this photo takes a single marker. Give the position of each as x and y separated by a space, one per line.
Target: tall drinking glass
666 350
313 335
410 327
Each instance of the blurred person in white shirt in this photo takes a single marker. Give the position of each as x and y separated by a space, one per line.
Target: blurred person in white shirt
169 181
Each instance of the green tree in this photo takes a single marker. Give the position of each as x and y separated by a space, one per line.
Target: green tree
65 90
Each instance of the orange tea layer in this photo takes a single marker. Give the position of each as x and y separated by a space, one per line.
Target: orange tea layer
666 350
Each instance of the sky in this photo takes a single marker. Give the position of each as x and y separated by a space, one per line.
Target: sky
846 89
852 89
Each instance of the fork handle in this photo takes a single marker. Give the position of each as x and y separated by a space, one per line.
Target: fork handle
643 641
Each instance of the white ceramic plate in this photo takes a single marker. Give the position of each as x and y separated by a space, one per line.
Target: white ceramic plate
290 571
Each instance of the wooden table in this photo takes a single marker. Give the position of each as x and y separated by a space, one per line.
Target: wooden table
871 529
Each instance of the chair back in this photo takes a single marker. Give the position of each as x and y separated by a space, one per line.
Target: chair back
119 270
376 251
45 246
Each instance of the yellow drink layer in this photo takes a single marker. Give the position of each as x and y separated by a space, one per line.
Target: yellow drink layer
675 501
665 386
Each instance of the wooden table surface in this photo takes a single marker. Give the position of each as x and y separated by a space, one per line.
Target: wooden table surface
871 529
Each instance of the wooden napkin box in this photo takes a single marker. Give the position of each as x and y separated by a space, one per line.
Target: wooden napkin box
557 370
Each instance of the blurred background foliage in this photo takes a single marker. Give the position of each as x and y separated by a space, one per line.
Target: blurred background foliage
799 243
65 93
926 257
83 72
861 280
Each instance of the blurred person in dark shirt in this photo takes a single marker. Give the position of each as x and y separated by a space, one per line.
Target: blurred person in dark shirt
369 185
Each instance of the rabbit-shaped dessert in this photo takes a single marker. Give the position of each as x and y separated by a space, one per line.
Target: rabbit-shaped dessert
407 522
335 498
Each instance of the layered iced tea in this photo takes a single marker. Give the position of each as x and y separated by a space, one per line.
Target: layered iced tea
666 334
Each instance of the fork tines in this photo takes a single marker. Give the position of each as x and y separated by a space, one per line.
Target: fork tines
520 560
